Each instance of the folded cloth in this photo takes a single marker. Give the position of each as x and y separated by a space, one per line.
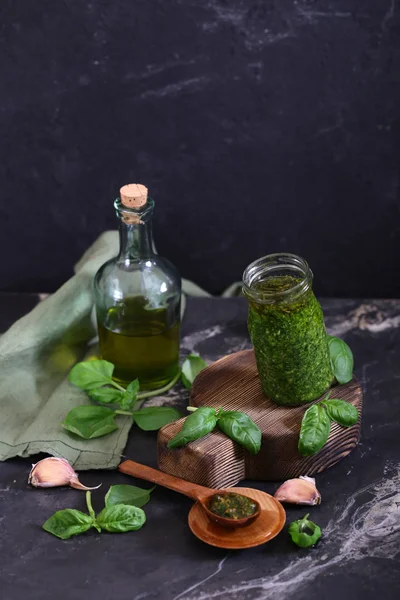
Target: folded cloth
36 355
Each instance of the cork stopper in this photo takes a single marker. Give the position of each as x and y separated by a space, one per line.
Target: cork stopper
133 195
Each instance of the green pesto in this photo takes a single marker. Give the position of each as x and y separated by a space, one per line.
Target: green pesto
290 343
232 506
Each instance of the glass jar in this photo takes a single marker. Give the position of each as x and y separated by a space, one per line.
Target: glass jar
287 330
137 297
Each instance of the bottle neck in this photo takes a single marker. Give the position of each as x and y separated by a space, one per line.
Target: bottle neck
135 232
135 241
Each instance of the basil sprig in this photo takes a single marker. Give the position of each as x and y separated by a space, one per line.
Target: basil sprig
91 421
304 533
122 513
342 360
316 423
115 517
95 377
235 424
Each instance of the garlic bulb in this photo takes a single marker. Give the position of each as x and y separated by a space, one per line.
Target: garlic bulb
299 491
53 472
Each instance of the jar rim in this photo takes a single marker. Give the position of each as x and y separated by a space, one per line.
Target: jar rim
268 265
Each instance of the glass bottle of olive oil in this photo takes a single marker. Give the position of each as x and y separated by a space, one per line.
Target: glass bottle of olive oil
137 296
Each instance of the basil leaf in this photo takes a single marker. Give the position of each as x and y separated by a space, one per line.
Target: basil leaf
342 412
242 429
191 367
342 361
89 421
91 374
65 523
106 395
314 431
120 518
196 425
129 397
127 494
304 533
155 417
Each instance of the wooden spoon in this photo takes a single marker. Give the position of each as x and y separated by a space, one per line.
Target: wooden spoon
192 490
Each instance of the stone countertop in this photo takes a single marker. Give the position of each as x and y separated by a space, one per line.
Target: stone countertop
357 557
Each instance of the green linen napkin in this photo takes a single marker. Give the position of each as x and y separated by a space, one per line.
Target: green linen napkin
36 355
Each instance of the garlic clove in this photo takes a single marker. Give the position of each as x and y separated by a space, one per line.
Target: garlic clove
75 483
54 472
299 491
51 472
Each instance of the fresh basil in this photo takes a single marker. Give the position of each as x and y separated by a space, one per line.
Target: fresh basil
66 523
127 494
341 412
91 374
129 397
95 376
235 424
304 533
115 517
121 518
314 431
241 428
191 367
106 395
198 424
342 360
90 422
155 417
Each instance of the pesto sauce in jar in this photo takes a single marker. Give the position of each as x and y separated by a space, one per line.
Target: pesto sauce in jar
290 341
232 506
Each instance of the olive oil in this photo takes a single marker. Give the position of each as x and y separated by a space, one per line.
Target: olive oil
232 506
138 299
141 342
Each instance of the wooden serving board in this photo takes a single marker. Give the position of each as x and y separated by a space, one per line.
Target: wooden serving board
216 461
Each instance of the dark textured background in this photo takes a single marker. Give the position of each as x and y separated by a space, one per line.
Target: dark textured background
258 126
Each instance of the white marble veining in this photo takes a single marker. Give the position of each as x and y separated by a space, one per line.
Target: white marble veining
172 89
190 342
366 317
199 583
389 14
247 22
367 525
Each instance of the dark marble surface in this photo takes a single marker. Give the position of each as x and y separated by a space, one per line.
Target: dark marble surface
358 556
225 109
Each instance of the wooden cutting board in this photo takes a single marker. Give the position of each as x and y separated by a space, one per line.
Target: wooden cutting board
216 461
